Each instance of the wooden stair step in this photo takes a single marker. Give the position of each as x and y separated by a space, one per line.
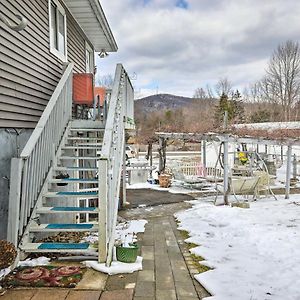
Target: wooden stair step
59 247
79 157
78 147
95 145
81 138
81 194
87 129
74 180
64 209
64 228
75 169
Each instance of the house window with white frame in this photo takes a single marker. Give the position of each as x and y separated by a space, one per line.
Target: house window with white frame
58 32
89 58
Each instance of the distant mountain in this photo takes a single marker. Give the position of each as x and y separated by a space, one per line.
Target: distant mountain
161 102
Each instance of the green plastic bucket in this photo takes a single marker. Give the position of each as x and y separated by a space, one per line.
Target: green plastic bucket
127 254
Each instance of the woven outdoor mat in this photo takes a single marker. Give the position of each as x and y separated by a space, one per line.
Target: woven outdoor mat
44 276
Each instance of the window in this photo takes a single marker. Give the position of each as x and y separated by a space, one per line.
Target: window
58 36
89 58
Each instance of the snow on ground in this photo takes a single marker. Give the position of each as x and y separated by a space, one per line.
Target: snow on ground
32 262
125 234
4 272
116 266
254 253
177 187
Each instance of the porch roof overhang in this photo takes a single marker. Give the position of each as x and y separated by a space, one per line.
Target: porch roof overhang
92 20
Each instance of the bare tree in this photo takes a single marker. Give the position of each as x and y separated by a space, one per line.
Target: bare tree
282 82
223 86
209 92
200 94
105 81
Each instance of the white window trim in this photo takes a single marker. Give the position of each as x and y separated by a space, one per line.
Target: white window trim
90 49
53 50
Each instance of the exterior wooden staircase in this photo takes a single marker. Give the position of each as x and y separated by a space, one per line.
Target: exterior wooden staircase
68 175
73 198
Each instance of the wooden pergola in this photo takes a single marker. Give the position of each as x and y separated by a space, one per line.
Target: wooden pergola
227 138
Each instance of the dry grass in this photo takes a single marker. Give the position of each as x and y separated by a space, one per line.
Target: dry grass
196 259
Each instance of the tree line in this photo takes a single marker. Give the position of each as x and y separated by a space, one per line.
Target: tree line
275 97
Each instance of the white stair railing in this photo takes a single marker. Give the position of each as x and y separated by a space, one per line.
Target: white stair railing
119 118
29 171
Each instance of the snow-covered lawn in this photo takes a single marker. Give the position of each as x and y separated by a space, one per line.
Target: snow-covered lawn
254 253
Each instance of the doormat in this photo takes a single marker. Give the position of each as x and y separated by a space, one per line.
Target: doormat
44 276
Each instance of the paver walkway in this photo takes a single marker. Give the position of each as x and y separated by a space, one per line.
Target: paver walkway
167 267
165 275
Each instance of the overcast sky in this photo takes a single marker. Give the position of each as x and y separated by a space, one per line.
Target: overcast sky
175 46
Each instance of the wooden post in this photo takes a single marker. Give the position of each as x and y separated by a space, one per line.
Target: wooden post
150 160
14 200
204 155
294 167
102 205
226 171
124 177
288 172
162 154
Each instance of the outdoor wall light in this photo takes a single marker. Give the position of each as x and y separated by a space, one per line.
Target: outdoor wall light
103 54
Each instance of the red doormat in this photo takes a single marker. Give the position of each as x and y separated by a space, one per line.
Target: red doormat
45 276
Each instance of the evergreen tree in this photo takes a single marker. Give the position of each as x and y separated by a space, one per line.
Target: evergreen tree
220 109
237 108
234 107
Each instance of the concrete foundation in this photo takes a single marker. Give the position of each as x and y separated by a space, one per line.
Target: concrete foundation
12 142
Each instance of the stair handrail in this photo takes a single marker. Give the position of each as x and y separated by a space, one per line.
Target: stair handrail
33 165
112 153
47 112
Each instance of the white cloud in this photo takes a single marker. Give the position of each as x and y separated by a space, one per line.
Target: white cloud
178 50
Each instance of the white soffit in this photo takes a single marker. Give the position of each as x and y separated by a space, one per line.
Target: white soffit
92 20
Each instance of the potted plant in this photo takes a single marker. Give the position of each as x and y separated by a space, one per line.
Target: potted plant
127 253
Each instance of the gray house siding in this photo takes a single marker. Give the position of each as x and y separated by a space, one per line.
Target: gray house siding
29 72
75 45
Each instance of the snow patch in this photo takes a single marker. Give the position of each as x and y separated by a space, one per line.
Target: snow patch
40 261
116 266
254 253
4 272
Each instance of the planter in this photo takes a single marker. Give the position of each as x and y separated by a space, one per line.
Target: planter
127 254
164 180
